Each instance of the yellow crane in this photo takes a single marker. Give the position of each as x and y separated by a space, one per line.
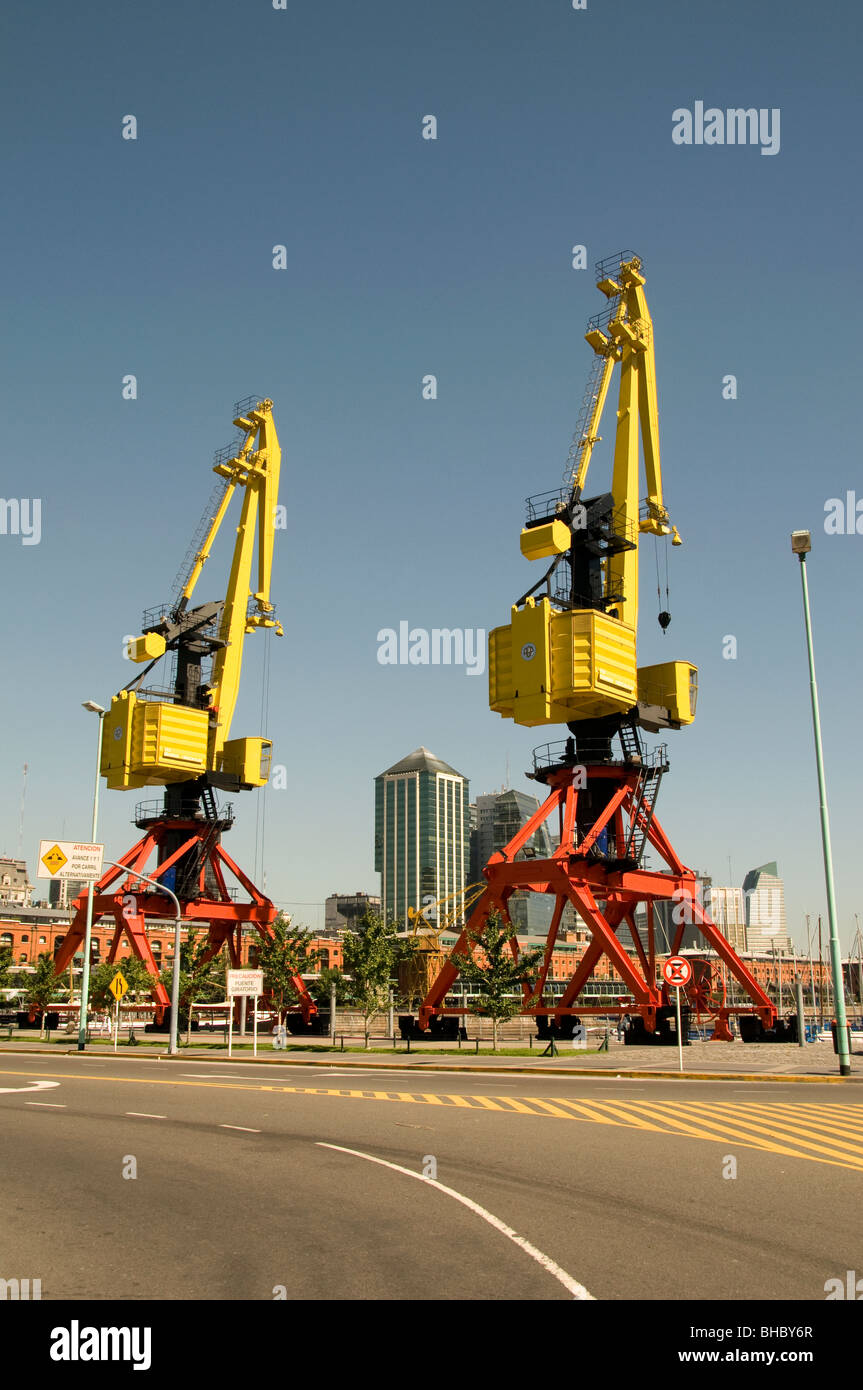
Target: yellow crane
178 736
182 741
427 924
568 655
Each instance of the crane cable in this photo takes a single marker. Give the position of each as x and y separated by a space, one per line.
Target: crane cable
663 613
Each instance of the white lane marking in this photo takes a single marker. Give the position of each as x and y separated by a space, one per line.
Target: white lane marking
571 1285
34 1086
589 1091
244 1128
143 1115
46 1104
211 1076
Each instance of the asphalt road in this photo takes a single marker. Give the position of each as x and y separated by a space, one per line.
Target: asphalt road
250 1182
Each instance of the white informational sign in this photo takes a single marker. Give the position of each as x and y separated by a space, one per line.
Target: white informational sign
244 984
66 859
248 982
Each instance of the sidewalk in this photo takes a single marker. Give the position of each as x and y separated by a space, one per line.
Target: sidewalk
701 1060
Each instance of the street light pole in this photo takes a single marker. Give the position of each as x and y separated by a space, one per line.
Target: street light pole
811 973
801 544
85 972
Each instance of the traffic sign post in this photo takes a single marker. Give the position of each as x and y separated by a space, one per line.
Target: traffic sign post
118 987
677 972
69 860
244 984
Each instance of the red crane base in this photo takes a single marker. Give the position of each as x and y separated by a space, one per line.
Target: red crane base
614 815
204 900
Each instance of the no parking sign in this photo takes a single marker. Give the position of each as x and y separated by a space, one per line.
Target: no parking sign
677 971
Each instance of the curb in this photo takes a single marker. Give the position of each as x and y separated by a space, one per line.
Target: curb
544 1071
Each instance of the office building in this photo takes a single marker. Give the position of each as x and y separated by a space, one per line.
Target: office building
62 892
342 911
495 819
422 833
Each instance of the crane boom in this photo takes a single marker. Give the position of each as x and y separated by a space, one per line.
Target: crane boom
569 656
258 471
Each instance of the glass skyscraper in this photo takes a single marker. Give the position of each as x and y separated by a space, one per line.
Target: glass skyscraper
497 818
422 833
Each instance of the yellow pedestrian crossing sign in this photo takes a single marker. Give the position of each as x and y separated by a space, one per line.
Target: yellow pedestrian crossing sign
54 859
119 986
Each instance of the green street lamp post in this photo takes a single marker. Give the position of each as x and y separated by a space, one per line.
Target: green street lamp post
801 544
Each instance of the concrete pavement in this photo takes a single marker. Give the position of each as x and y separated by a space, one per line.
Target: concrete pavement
493 1187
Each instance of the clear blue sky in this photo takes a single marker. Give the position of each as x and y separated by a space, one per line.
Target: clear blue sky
408 257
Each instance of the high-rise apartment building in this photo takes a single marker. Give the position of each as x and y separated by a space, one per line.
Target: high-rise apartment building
422 833
764 895
495 819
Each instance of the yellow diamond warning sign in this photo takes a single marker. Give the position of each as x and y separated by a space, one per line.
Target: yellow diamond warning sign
119 986
54 859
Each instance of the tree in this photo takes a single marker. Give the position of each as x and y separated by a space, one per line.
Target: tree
371 955
134 972
320 987
201 980
497 975
5 964
287 953
42 987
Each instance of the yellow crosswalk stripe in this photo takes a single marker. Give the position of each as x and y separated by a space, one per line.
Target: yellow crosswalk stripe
613 1114
709 1120
517 1105
848 1125
672 1123
485 1103
598 1114
787 1128
547 1108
